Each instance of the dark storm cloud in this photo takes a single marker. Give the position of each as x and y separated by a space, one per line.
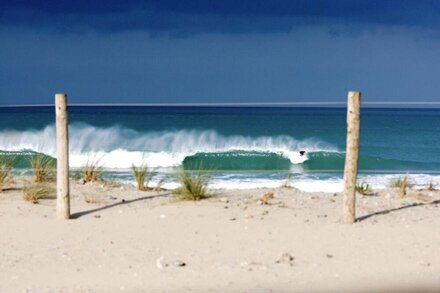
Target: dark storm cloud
220 16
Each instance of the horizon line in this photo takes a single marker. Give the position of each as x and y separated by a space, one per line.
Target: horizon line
228 104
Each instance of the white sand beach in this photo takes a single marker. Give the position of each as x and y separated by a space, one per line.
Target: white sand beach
148 241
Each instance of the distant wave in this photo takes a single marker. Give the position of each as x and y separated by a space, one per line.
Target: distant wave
119 147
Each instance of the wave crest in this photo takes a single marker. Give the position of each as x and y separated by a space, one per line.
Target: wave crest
119 147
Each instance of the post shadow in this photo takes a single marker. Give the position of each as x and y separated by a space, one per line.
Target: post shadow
120 203
384 212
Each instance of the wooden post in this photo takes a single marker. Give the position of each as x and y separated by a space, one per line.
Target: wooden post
352 156
63 197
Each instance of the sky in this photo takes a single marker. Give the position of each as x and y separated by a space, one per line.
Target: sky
168 51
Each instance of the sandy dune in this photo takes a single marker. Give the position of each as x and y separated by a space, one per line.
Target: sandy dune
148 241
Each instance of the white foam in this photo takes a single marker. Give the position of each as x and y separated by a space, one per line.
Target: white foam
416 181
309 183
245 183
317 185
376 181
122 159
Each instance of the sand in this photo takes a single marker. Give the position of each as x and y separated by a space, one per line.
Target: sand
149 241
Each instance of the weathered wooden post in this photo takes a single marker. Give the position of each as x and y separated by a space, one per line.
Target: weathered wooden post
63 197
352 156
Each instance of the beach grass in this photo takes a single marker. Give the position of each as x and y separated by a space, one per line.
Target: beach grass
92 171
34 192
402 184
159 184
142 174
364 188
43 167
266 198
6 165
288 183
194 185
399 182
431 186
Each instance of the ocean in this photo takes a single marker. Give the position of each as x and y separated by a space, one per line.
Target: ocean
241 147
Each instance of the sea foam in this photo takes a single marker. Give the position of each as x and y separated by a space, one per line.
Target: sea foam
331 183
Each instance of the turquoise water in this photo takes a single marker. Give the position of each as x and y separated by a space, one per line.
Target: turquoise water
243 146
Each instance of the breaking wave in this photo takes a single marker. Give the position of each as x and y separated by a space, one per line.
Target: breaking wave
118 147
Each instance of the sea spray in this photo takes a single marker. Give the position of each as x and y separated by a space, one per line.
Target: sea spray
121 147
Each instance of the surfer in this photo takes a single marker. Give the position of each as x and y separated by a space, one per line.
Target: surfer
301 153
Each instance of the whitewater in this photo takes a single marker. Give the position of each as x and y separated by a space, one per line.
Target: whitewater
119 148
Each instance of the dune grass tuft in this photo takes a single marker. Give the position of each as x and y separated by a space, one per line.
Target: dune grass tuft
6 165
91 171
364 188
43 167
159 185
33 192
397 183
142 174
288 183
431 186
193 185
402 184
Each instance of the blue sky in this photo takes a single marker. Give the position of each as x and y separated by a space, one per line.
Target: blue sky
218 51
